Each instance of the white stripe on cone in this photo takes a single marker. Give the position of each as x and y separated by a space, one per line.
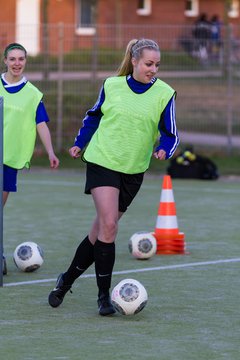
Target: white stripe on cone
167 196
167 222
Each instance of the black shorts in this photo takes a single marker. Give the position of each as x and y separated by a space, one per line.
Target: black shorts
128 184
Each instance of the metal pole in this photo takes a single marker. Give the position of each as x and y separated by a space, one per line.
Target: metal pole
1 190
229 91
95 46
60 89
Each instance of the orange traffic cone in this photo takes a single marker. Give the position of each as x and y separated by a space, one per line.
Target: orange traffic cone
169 239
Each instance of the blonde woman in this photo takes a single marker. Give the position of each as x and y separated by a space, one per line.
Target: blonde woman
118 136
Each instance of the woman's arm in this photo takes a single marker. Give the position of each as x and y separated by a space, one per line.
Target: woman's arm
45 136
169 139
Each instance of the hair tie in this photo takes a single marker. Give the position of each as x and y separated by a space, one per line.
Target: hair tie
12 47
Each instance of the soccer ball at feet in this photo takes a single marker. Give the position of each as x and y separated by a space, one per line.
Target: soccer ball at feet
129 297
28 256
142 245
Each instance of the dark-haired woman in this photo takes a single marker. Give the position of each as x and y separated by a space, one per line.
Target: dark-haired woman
24 115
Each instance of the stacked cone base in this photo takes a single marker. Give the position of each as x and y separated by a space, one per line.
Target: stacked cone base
168 244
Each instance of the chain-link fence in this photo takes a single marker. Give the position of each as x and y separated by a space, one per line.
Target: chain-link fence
70 69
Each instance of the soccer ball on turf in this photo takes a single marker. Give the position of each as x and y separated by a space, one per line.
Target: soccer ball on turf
28 256
129 297
142 245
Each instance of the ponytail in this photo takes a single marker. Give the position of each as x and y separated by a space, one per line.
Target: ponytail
134 50
126 66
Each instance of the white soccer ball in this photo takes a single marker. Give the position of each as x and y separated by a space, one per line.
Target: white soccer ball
28 256
129 297
142 245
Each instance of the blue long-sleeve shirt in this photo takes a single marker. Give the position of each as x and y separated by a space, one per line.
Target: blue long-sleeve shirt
168 140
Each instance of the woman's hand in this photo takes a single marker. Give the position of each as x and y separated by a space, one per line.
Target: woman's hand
54 161
74 152
160 154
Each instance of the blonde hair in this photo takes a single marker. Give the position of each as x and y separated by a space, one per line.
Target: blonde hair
134 50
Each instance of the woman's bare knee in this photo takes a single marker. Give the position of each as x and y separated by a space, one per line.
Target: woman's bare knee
108 229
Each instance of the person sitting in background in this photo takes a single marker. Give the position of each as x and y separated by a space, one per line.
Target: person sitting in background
216 42
202 35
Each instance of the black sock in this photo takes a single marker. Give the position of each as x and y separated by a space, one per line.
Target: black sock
83 258
104 255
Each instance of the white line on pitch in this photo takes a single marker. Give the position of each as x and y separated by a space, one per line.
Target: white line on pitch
134 271
144 186
49 182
